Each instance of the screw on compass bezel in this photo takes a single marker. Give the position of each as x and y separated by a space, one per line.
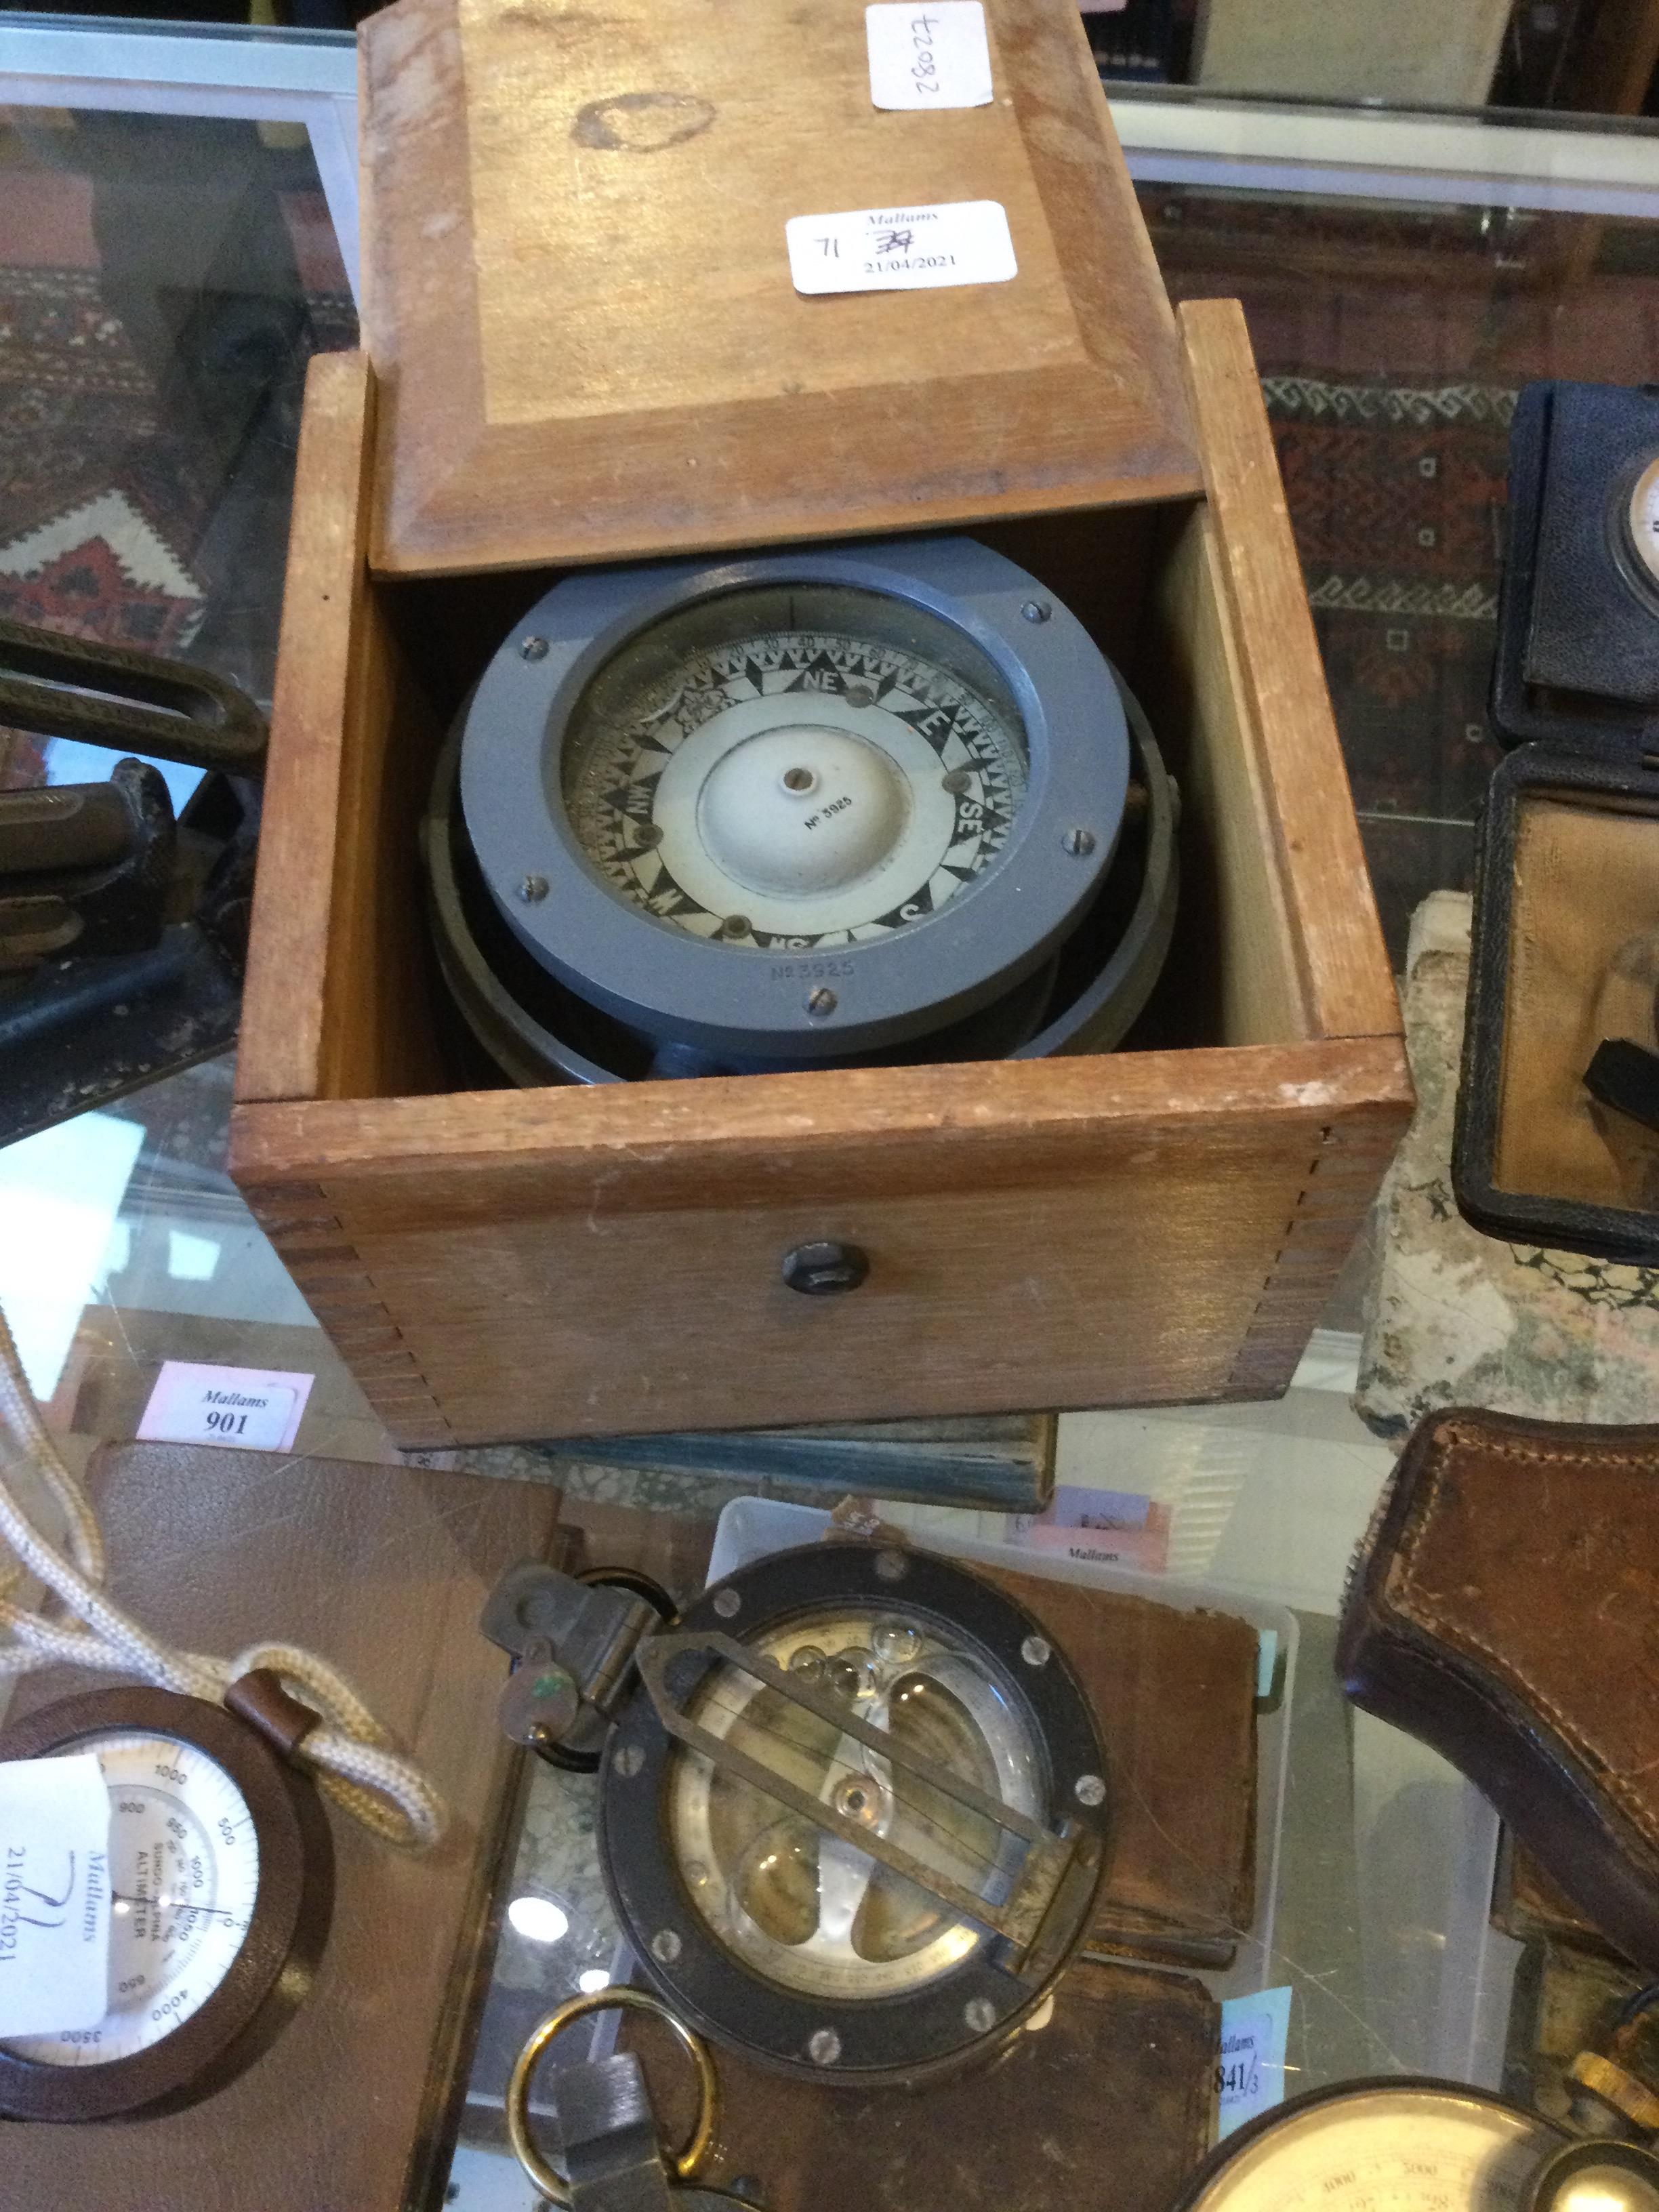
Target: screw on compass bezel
729 999
907 2036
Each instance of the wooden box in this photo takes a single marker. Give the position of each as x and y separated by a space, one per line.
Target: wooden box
1159 1224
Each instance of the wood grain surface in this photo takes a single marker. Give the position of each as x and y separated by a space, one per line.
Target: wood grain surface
383 1570
1353 1155
579 1261
335 943
321 644
1234 928
1142 1227
1323 864
580 305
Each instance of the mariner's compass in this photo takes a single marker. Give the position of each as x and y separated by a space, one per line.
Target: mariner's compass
837 785
809 808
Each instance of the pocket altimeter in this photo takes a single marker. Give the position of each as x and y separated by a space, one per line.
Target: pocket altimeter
821 807
1400 2144
221 1882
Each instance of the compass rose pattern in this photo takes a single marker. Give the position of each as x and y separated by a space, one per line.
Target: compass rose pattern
613 773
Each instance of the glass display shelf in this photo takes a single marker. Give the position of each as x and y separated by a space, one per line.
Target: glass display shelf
1385 1854
166 275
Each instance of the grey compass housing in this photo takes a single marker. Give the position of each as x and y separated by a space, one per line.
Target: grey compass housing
744 1004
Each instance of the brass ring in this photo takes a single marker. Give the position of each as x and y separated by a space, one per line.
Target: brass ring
553 2186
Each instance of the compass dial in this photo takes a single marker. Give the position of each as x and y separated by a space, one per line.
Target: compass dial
1642 521
183 1864
1420 2147
798 1903
795 767
785 812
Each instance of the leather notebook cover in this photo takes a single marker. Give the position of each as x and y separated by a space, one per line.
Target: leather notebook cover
1109 2104
1504 1608
1175 1696
382 1570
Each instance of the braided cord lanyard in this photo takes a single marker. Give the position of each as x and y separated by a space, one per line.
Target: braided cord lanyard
356 1761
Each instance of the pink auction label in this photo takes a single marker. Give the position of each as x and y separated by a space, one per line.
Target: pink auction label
1113 1527
252 1408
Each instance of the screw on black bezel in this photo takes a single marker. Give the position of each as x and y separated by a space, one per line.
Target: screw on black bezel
902 2036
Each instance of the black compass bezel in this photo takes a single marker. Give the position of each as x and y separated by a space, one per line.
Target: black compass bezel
907 2036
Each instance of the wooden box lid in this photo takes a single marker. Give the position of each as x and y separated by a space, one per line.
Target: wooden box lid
578 303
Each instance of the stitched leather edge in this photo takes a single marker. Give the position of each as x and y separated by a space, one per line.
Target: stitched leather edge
1461 1638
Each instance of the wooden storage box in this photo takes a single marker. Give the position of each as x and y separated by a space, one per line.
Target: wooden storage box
1162 1224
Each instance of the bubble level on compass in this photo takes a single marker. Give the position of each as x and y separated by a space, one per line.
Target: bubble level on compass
795 766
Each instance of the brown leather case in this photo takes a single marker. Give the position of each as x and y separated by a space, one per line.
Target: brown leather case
1503 1608
383 1570
1175 1696
1529 1905
1110 2103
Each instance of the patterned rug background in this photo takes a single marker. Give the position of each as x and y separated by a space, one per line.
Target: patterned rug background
100 510
128 512
1394 492
1392 340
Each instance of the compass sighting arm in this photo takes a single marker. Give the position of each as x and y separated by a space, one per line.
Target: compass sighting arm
1050 1854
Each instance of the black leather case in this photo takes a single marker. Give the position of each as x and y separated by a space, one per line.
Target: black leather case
1575 692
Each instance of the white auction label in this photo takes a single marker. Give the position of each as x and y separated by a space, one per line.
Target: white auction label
253 1408
54 1895
904 249
928 57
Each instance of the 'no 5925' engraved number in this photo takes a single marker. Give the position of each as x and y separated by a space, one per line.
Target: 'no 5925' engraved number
797 971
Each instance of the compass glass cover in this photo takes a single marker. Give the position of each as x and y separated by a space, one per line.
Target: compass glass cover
804 1908
1642 521
184 1865
793 766
1386 2150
